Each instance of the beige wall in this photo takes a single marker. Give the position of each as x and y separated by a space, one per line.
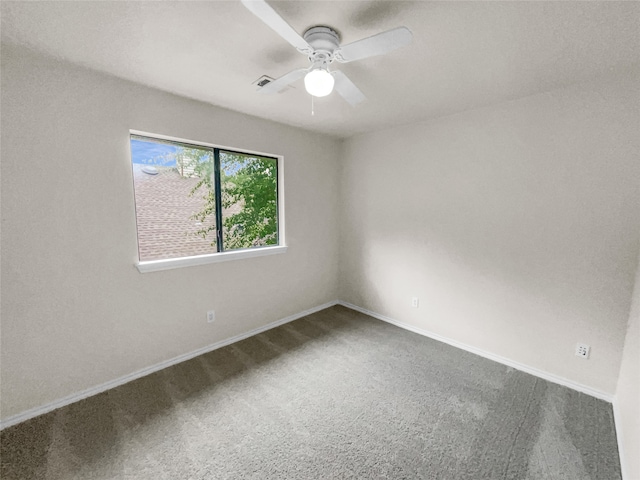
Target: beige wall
628 392
75 311
516 225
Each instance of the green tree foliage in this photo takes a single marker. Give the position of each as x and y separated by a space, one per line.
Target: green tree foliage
193 162
200 162
249 186
249 198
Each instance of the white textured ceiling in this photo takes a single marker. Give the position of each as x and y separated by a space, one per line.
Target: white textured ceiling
464 54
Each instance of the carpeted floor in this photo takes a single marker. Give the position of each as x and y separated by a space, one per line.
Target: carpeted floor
336 394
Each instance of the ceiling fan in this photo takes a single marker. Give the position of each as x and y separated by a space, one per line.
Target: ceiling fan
322 46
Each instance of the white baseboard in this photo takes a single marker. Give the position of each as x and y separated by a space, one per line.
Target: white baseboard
617 418
34 412
496 358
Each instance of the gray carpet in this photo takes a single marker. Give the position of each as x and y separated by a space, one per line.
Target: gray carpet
336 394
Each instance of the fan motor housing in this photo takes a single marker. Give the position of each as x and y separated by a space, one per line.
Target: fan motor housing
322 39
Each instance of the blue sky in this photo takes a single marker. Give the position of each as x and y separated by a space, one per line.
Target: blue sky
160 154
151 153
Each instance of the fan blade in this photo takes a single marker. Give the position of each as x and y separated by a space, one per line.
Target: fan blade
284 81
268 15
347 89
376 45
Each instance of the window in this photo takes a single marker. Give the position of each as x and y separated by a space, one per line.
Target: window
196 201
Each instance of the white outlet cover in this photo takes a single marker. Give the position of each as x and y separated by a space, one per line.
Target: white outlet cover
415 302
582 350
211 316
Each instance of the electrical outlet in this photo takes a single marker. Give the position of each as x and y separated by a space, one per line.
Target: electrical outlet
582 350
211 316
415 302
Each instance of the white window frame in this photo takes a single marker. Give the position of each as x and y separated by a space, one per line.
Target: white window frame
179 262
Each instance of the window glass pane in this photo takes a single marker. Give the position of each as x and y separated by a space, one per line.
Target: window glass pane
249 187
175 199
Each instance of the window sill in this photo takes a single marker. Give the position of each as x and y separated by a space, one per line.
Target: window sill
171 263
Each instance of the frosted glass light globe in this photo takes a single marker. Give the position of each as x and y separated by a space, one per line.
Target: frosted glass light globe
319 82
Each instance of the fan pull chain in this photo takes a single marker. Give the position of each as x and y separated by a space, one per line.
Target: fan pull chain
312 112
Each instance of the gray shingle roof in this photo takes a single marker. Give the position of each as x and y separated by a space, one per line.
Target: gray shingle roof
163 213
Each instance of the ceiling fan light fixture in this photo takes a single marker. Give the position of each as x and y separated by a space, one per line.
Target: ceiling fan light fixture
319 82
